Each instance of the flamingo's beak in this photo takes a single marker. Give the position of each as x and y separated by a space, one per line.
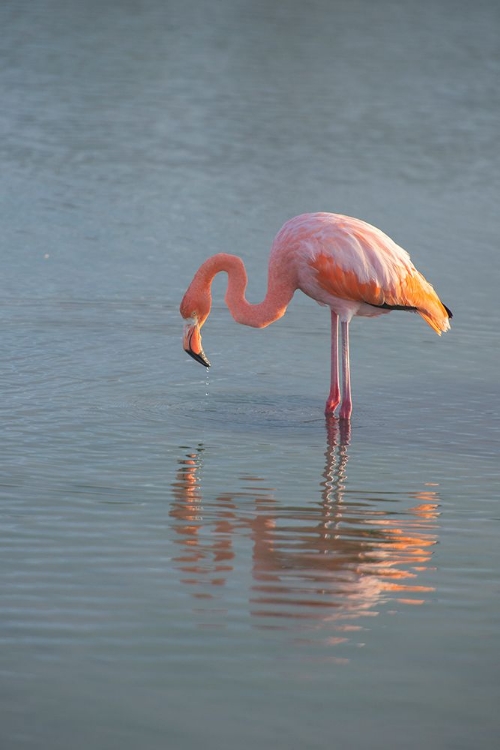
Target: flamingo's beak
192 343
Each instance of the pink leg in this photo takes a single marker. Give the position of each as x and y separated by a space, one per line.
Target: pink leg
334 395
346 407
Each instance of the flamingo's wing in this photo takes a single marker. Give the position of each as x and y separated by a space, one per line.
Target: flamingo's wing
355 261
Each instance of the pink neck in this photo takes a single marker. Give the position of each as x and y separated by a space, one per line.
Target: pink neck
280 290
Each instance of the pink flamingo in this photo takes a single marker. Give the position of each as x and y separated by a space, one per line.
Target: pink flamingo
342 262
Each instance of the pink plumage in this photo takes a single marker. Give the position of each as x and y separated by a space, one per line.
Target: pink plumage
342 262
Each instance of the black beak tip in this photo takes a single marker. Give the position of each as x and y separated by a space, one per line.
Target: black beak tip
201 357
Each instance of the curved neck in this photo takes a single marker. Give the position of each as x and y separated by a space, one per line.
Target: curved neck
280 290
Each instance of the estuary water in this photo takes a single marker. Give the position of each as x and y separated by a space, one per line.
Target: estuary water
193 559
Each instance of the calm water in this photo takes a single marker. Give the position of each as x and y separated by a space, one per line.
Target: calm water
192 560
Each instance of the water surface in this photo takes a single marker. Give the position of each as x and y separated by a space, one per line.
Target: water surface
201 559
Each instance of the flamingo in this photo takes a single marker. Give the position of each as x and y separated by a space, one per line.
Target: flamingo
341 262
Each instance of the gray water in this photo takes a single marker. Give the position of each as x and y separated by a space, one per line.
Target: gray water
193 560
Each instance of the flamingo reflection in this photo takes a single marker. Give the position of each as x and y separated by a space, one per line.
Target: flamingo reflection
323 563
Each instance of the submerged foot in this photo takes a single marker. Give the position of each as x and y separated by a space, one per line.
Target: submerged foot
345 411
331 407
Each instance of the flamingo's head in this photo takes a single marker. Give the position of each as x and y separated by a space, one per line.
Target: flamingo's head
194 317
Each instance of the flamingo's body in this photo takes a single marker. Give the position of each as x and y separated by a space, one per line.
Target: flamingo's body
337 260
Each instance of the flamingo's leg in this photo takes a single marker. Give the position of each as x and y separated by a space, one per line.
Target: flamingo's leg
346 406
334 395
